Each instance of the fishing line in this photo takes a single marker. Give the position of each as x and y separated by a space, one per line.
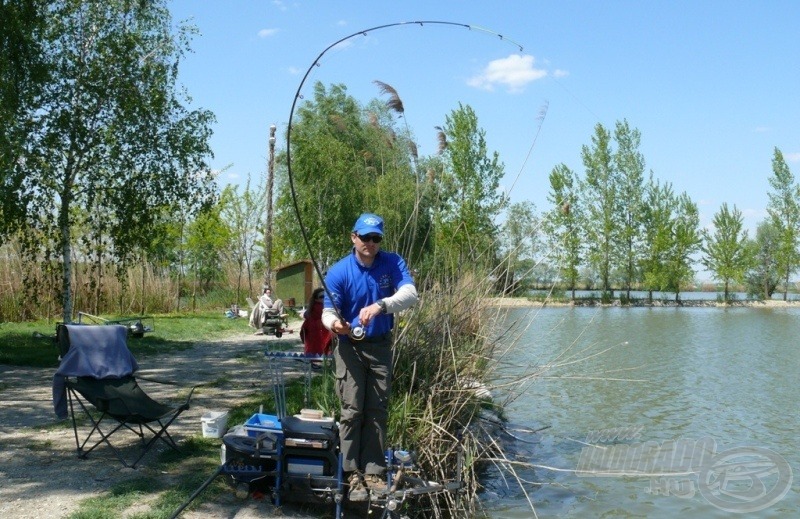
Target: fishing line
298 96
540 122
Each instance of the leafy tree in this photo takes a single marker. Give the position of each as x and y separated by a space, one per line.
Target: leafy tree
657 217
417 228
629 163
563 224
784 212
764 276
343 153
242 214
602 203
686 242
470 201
207 238
111 129
22 76
726 251
521 243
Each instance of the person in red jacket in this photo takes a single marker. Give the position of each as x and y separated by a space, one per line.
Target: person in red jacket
316 338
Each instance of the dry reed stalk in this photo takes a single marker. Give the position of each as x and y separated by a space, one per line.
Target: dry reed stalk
444 356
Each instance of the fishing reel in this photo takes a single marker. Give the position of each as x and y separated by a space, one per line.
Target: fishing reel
357 332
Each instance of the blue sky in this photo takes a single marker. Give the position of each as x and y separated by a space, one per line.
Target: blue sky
713 86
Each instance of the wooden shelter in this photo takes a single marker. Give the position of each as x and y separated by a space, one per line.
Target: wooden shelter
295 282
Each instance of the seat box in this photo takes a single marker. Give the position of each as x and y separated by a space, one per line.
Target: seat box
260 423
321 431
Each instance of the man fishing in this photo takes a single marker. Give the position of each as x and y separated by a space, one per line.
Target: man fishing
364 289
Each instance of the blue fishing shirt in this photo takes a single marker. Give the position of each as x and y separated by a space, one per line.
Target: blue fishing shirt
354 286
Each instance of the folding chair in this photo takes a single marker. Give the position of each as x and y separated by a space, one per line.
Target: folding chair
96 370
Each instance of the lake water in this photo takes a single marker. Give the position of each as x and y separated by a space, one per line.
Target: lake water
720 380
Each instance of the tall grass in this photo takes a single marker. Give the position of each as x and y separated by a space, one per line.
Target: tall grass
143 289
445 357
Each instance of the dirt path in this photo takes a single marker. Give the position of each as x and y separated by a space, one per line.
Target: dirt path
39 471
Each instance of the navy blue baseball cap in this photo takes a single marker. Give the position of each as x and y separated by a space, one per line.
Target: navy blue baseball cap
368 223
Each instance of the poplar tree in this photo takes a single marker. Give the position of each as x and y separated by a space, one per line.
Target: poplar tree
784 212
685 243
564 224
470 200
521 243
764 276
657 214
629 163
602 202
243 214
726 253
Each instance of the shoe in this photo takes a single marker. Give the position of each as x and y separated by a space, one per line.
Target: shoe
376 483
357 491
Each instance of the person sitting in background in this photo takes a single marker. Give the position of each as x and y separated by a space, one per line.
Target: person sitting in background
267 306
270 303
316 338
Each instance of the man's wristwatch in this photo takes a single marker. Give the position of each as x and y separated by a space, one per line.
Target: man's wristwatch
382 304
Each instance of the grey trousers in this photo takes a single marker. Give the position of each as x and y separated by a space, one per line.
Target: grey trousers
363 383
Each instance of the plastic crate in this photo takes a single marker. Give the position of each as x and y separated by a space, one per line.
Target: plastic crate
260 423
214 424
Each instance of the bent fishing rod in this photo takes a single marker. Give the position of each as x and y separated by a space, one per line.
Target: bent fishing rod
298 96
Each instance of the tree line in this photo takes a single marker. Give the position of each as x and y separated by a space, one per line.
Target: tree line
106 183
615 228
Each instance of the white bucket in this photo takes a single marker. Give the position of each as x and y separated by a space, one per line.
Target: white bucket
215 423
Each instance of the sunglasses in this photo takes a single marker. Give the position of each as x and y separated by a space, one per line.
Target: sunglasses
377 238
320 297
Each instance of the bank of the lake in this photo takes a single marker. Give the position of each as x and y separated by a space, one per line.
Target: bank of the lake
531 302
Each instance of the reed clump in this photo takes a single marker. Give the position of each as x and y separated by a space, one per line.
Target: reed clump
443 367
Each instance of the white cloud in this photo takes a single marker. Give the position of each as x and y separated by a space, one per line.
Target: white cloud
792 157
294 71
762 129
513 72
560 73
266 33
279 4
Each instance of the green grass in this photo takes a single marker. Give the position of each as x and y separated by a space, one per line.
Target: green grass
173 478
28 344
40 445
32 343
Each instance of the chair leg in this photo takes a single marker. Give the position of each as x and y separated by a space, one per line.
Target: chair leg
82 451
136 426
162 434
